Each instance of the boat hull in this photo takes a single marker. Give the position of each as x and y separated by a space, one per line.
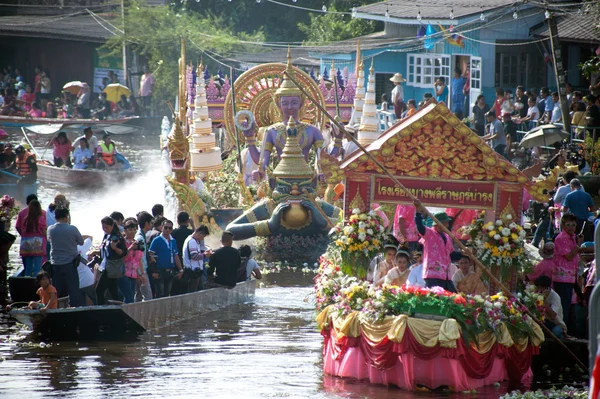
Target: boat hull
82 177
116 322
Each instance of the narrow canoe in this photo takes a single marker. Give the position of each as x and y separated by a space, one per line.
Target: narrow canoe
126 321
21 121
82 177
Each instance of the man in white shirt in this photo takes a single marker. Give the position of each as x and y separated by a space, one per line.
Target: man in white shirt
415 277
554 311
398 94
193 259
92 140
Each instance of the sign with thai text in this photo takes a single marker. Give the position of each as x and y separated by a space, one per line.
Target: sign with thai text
456 194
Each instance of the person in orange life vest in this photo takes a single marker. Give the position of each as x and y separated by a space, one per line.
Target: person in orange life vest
106 153
26 166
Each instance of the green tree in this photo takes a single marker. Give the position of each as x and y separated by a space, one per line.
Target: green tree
156 32
332 27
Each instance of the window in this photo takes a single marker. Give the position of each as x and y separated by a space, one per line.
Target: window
424 69
519 65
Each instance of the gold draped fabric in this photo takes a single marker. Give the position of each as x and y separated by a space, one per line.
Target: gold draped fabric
428 333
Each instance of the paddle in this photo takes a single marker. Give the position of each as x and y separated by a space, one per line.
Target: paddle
463 248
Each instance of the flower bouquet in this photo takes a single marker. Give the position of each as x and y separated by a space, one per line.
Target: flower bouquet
8 210
358 240
500 245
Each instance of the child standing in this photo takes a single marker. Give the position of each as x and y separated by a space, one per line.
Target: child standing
46 292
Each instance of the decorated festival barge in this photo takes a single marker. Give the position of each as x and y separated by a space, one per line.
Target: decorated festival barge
402 336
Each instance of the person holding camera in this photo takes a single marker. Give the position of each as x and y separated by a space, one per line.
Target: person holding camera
112 266
144 288
193 258
566 261
167 260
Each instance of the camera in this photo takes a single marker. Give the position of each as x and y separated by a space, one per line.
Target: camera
95 260
141 245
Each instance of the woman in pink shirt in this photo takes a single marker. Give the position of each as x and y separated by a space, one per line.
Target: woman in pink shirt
33 238
133 262
438 251
566 262
405 229
36 111
461 218
28 99
62 150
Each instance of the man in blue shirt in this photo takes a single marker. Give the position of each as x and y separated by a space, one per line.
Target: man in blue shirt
580 204
164 248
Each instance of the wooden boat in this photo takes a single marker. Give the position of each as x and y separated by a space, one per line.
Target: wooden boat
82 177
22 121
129 320
21 287
9 185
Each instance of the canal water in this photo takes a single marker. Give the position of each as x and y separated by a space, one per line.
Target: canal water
269 348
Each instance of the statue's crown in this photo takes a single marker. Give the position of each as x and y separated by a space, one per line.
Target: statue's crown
287 87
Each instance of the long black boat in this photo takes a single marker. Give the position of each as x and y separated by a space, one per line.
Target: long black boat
126 321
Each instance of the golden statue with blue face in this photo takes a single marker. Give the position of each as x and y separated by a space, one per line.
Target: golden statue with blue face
291 210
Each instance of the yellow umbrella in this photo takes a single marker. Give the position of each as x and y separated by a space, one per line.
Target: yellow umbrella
115 91
73 87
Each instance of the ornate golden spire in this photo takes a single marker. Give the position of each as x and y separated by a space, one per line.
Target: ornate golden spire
287 87
292 163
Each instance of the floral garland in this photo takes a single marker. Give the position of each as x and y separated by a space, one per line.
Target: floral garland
500 245
565 392
358 239
475 313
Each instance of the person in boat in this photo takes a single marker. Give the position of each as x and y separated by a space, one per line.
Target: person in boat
51 112
62 150
399 274
134 107
546 266
92 140
112 250
193 258
123 108
36 111
106 154
84 98
134 270
438 250
415 277
64 239
553 304
10 107
385 265
249 268
28 98
8 158
225 262
33 238
466 279
59 201
26 166
47 293
104 110
82 156
167 260
144 288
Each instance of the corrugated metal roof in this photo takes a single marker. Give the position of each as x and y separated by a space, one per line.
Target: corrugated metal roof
80 27
431 9
576 28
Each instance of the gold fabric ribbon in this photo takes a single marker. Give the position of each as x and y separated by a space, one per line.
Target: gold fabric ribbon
428 333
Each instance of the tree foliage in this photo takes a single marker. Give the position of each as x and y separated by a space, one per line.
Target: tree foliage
156 32
332 27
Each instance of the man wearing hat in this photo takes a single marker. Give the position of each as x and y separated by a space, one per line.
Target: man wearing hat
438 251
398 94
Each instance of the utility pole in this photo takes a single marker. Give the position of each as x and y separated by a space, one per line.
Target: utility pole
559 71
124 45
